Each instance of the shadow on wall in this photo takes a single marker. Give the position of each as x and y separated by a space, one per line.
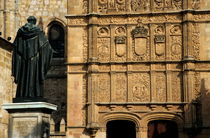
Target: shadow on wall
199 111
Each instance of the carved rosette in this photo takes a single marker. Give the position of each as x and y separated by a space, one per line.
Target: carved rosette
160 87
159 40
103 44
176 86
140 87
140 43
176 47
120 44
104 88
120 87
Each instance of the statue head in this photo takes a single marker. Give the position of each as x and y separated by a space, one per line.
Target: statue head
32 20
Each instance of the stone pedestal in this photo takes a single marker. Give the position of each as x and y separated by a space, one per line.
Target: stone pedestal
29 120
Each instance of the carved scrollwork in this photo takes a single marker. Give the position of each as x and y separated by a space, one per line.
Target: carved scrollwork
105 6
103 49
104 88
161 87
176 86
138 5
176 42
196 41
121 87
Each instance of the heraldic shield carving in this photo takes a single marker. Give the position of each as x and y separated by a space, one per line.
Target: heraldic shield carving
120 42
160 44
140 34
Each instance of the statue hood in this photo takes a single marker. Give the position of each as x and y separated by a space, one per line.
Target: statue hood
29 30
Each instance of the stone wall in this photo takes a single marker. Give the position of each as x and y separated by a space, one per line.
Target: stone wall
14 14
138 60
6 84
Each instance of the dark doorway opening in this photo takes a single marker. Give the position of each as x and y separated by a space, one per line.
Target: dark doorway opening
162 129
121 129
56 35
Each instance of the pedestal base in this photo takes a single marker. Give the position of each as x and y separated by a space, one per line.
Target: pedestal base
29 120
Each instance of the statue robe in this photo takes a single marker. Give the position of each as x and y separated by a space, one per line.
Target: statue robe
31 60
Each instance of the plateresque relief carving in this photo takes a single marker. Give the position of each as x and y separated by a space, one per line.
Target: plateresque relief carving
159 40
176 86
140 5
161 87
168 4
196 41
120 43
103 44
140 42
120 87
110 6
104 87
105 6
176 42
140 87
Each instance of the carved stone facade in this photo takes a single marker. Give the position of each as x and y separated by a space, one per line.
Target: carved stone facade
143 60
136 60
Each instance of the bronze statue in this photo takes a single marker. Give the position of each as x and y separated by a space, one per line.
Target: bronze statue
31 60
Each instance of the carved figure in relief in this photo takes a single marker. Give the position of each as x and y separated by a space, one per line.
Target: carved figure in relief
112 4
195 4
102 5
104 49
141 87
140 91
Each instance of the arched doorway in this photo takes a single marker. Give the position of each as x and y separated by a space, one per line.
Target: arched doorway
162 129
121 129
56 36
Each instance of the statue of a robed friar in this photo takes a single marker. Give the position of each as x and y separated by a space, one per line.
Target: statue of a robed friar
31 60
